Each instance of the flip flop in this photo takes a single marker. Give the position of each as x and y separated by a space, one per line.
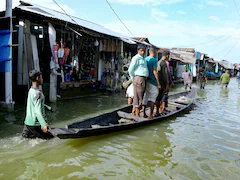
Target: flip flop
156 115
146 117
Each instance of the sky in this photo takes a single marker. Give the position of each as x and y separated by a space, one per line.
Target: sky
209 26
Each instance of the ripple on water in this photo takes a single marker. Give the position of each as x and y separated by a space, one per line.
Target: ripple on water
202 144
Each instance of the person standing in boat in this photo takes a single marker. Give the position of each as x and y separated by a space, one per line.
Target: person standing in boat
163 77
35 125
138 71
153 84
169 74
202 79
187 78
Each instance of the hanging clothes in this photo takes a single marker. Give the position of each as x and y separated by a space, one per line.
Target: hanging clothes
66 54
216 68
194 71
101 46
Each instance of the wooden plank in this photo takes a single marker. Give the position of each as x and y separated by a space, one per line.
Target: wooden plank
122 120
56 131
176 104
180 102
130 116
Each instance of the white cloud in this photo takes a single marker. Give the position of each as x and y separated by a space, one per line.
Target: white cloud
200 5
214 18
170 33
156 14
143 2
215 3
181 12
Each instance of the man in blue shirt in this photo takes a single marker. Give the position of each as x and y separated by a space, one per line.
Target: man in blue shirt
138 71
153 84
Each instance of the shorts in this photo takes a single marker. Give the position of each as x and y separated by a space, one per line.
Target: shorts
165 97
202 84
226 85
130 91
161 92
33 132
151 93
188 83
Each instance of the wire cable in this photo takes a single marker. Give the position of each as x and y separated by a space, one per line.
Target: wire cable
227 34
218 52
119 18
236 7
64 11
231 48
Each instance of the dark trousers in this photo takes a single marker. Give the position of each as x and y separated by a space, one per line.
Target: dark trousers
59 79
32 132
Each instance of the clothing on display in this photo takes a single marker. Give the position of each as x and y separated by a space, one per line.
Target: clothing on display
66 54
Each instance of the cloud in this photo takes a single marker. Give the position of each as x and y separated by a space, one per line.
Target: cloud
144 2
200 5
182 33
214 18
156 14
181 12
3 4
215 3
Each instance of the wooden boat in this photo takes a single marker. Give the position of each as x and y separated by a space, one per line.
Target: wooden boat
119 120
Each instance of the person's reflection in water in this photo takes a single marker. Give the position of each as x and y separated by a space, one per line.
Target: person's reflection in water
224 93
202 94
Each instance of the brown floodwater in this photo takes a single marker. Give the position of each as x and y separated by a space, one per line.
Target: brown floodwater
202 144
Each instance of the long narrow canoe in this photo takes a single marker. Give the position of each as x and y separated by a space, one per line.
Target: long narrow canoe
119 120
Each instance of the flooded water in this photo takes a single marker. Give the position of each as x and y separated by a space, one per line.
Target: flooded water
203 144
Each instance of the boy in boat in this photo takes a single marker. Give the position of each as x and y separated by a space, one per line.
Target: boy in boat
225 79
153 84
187 78
130 96
138 71
202 79
35 125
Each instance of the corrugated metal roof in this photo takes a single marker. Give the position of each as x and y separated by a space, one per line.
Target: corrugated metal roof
142 42
141 39
183 56
226 64
129 41
191 50
74 20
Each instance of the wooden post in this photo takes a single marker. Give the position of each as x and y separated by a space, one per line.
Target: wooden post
28 46
53 76
198 70
96 62
20 55
8 75
73 53
122 50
